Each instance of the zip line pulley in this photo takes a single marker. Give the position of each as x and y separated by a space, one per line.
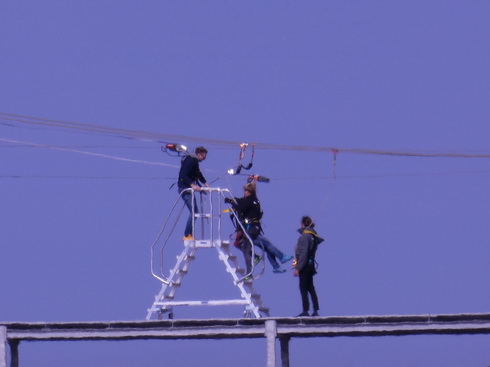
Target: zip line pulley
238 169
174 149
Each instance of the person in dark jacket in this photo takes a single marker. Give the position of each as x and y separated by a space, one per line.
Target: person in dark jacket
190 176
305 265
249 211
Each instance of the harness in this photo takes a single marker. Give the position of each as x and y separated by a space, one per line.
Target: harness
254 222
251 221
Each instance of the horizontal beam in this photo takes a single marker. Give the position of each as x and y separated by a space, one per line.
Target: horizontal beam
227 302
252 328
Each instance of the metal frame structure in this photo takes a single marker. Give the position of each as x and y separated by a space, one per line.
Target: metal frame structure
210 214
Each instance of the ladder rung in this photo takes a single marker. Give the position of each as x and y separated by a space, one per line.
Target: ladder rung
202 243
200 215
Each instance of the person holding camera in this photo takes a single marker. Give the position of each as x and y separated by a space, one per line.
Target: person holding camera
249 212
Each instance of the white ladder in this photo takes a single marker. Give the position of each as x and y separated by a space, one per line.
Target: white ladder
165 302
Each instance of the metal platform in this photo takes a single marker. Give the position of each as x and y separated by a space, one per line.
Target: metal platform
271 329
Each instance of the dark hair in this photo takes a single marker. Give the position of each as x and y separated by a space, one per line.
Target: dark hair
307 222
201 150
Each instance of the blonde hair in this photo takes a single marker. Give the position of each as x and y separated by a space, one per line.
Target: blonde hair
251 188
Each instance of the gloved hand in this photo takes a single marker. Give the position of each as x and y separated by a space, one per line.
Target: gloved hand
228 200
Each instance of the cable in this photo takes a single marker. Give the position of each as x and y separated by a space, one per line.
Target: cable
125 133
89 153
85 177
414 174
162 137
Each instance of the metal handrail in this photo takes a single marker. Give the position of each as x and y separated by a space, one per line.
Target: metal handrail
162 277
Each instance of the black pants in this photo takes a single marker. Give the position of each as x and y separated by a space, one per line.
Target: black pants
306 286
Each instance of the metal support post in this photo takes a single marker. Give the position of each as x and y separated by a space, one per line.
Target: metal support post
285 350
14 353
271 333
3 346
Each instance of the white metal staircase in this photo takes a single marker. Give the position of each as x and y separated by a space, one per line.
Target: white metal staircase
211 212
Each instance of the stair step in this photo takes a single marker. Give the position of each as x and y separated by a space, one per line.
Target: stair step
202 215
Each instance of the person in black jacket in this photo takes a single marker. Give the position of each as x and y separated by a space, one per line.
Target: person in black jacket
249 211
190 176
305 265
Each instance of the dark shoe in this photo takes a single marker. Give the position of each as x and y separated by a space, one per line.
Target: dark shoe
278 270
248 278
303 314
314 314
286 258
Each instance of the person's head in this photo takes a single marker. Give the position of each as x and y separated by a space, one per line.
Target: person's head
201 153
250 189
307 222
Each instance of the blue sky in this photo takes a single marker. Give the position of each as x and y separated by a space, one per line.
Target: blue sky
404 234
